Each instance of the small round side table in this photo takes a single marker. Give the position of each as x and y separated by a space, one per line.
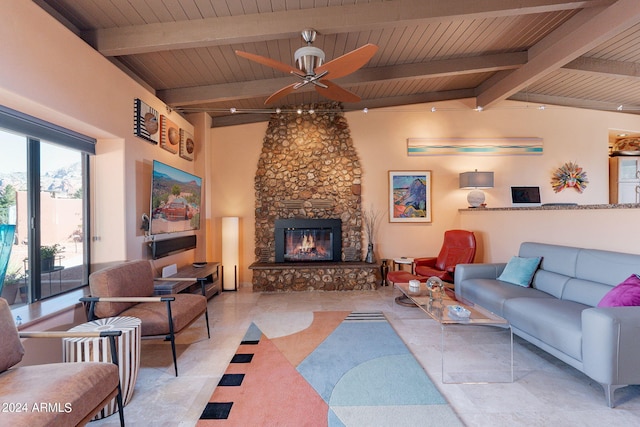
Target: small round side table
399 262
97 350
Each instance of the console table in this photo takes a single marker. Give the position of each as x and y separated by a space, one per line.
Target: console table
188 279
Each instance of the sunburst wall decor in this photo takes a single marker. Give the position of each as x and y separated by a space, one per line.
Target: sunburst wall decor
569 175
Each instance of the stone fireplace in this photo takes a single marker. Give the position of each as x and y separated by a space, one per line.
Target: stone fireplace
309 170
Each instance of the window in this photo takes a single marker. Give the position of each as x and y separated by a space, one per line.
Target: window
43 193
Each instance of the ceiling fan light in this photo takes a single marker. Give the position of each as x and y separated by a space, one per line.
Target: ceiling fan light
308 58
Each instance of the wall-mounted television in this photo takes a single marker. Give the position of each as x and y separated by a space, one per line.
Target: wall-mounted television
175 200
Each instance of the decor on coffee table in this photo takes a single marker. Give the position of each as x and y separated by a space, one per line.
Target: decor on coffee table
410 196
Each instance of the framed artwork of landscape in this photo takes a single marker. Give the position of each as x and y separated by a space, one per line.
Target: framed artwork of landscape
410 196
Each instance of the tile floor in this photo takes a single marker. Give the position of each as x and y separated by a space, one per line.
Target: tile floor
546 392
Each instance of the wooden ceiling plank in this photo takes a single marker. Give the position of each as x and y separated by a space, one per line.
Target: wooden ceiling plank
577 36
276 25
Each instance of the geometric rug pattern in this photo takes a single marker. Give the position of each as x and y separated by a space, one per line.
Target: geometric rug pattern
325 369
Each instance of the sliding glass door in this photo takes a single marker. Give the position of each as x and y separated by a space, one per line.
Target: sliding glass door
42 192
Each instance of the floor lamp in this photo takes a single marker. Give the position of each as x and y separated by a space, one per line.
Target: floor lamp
230 252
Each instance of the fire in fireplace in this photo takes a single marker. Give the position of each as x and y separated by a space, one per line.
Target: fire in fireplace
304 240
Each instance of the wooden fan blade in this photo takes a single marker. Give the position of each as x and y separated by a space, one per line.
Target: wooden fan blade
337 93
281 66
279 94
349 62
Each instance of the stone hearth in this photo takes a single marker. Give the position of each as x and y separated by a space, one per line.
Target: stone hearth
343 276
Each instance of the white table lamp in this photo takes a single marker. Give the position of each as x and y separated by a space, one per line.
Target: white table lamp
476 180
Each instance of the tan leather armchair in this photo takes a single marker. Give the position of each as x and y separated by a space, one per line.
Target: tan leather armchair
53 394
126 289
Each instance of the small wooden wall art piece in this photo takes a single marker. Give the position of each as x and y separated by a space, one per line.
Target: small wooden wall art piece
146 122
170 135
187 145
569 175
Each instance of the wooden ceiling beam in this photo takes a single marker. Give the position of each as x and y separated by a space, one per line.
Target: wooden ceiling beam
328 20
586 30
596 66
563 101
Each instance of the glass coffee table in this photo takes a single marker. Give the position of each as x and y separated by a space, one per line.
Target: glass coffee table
477 349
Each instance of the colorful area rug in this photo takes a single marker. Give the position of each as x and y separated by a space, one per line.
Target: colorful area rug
325 368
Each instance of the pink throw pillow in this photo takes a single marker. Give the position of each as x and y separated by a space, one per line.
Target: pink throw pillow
625 294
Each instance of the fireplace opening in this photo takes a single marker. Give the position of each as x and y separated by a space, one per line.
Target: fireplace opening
308 240
310 244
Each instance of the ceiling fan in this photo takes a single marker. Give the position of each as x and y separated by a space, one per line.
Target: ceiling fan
313 70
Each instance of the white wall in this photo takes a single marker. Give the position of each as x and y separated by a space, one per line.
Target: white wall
49 73
380 138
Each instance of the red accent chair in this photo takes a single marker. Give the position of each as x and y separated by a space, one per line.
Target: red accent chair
458 247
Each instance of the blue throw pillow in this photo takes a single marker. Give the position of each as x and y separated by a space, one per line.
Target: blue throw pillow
519 270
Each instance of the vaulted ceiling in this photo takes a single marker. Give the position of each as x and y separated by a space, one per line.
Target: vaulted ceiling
555 52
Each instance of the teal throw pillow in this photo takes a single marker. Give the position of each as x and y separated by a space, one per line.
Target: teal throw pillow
519 270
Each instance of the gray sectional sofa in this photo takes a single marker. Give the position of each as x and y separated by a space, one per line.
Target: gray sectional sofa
559 312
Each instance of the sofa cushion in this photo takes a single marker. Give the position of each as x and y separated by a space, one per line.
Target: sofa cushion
185 309
607 267
11 350
555 322
130 279
492 294
520 270
555 258
625 294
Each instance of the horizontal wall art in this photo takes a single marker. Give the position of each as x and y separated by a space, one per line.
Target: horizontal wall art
474 146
